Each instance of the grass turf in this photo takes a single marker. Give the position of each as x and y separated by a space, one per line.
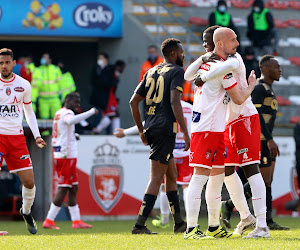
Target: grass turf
117 235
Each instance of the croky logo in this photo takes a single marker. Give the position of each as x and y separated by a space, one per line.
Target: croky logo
93 15
106 178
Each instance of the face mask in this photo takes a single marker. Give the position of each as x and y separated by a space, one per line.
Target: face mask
222 8
153 57
117 73
26 63
100 62
43 61
256 9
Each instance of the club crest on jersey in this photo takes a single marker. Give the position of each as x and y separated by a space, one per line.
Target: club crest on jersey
208 154
106 178
8 91
19 89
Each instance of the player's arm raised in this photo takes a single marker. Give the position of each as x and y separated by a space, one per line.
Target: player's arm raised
239 95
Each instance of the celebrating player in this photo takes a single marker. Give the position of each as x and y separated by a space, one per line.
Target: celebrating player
15 96
65 158
161 87
207 143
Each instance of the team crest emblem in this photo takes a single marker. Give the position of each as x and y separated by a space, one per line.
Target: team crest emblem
106 180
8 91
208 154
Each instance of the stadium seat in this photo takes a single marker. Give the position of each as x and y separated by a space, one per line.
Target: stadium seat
294 22
198 21
279 5
295 60
181 3
294 79
295 99
295 5
282 101
12 205
281 24
241 4
295 119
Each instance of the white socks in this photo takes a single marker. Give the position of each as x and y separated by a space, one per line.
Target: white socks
236 191
103 124
164 207
258 190
213 199
74 212
115 123
184 191
28 199
194 199
53 211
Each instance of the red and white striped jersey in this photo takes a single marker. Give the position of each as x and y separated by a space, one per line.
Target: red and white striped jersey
14 93
210 101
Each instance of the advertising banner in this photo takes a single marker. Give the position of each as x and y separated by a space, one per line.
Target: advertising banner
84 18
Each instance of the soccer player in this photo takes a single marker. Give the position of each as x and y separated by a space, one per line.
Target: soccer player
207 141
161 87
15 95
242 140
181 158
65 158
265 101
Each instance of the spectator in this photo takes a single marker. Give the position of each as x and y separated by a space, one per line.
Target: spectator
153 59
103 80
49 101
67 83
251 62
221 17
261 30
19 68
111 114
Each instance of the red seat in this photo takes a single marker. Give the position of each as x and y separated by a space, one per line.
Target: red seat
295 60
295 5
181 3
280 5
282 101
241 5
295 119
294 22
198 21
281 24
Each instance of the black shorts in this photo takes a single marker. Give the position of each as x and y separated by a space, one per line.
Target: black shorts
265 160
161 146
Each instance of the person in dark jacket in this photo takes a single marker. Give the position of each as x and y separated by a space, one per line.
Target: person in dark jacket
261 30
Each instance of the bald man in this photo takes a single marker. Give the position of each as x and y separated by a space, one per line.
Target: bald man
242 141
207 140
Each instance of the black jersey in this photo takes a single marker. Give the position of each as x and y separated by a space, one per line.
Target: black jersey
156 87
265 101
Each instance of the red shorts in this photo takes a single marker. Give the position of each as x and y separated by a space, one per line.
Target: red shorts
184 171
66 172
14 150
207 150
242 142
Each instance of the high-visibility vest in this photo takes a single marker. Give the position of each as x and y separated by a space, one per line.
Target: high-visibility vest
188 92
222 19
147 65
260 20
67 84
50 77
35 80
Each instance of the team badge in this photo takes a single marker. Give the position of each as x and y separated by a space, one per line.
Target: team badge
208 154
106 179
8 91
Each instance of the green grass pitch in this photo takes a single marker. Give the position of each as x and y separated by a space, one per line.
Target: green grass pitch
117 235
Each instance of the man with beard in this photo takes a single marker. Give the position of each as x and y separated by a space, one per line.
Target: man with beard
161 87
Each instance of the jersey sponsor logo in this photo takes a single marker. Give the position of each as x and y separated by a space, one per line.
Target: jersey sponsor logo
107 177
93 15
245 156
196 116
228 76
24 157
205 66
242 151
19 89
8 91
225 152
9 111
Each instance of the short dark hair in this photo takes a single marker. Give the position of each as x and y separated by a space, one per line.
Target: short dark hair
71 96
152 46
264 60
211 29
120 63
104 54
169 45
6 52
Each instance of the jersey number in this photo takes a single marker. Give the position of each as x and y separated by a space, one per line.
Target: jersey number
158 86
